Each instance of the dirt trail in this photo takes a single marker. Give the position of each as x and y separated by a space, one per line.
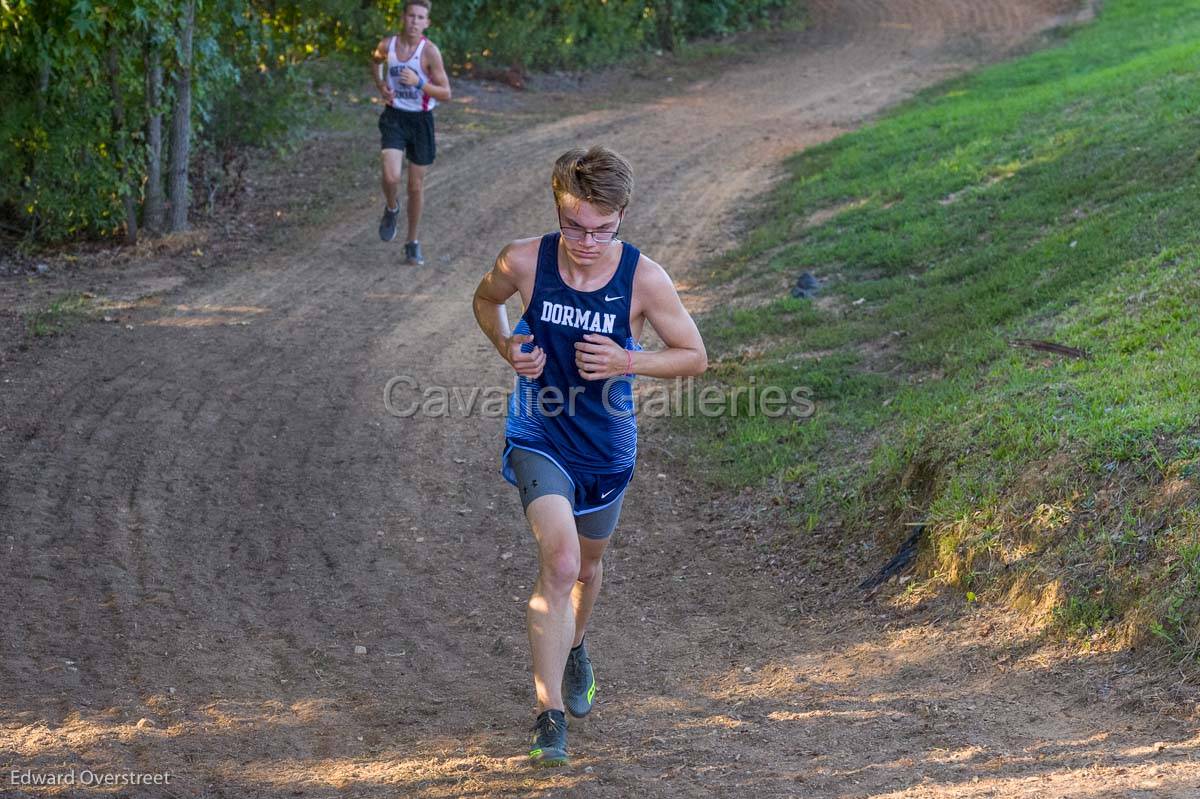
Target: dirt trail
202 519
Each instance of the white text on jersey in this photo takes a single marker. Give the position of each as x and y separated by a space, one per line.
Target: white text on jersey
593 321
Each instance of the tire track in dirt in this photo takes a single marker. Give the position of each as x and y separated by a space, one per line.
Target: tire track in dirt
259 513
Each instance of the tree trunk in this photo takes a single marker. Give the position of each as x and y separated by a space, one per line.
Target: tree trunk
152 211
181 121
665 17
43 87
32 167
120 150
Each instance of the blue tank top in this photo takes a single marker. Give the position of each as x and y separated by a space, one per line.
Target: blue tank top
592 437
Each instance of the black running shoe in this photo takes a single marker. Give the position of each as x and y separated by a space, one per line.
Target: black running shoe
412 252
579 682
387 225
549 746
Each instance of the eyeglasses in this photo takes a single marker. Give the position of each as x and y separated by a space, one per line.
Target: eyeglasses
572 233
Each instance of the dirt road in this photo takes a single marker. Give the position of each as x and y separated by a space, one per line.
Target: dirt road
202 516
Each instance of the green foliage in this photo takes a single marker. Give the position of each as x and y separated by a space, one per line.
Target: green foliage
62 157
718 17
261 110
61 160
578 34
540 35
1178 622
1082 616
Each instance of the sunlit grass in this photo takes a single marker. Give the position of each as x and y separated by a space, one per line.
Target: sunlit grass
1050 198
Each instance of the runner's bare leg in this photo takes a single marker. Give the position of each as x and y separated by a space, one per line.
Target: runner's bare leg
416 198
550 617
393 164
587 588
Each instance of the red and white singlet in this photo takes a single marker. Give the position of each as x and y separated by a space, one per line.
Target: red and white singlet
408 98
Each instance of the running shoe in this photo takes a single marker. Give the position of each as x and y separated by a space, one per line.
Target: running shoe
412 252
387 225
579 682
549 740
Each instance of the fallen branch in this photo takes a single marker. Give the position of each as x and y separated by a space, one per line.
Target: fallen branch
903 558
1050 346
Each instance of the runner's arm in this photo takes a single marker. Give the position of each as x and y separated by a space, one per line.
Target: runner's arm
500 283
438 85
379 71
599 357
684 355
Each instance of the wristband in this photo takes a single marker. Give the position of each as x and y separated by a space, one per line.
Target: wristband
420 82
629 362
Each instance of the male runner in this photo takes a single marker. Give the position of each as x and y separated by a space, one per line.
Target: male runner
411 77
571 437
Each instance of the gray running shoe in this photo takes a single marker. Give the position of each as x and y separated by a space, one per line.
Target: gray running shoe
412 252
549 746
579 682
387 225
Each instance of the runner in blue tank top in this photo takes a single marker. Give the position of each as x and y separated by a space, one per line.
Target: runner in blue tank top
571 436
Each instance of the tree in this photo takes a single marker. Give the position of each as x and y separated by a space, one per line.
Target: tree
120 145
665 18
89 86
152 206
181 120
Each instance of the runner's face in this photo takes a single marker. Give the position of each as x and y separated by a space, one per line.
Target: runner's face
416 20
585 216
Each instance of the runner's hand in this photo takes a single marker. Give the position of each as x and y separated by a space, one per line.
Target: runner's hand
387 94
599 357
409 77
527 364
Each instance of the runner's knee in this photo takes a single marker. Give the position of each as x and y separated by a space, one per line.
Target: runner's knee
393 168
588 570
560 570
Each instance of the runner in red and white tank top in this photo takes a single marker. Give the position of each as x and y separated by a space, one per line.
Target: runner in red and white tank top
412 79
408 98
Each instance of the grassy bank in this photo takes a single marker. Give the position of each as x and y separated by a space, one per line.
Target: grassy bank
1050 199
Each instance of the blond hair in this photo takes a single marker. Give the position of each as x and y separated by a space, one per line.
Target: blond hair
598 175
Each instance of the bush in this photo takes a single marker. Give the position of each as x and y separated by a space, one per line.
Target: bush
64 174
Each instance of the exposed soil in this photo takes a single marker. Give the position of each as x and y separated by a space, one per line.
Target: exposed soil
206 507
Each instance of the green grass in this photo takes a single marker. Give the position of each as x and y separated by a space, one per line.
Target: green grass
1055 197
705 51
58 316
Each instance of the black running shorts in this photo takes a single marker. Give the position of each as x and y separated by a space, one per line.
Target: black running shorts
410 131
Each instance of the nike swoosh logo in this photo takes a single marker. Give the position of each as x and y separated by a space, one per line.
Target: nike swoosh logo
606 493
610 299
